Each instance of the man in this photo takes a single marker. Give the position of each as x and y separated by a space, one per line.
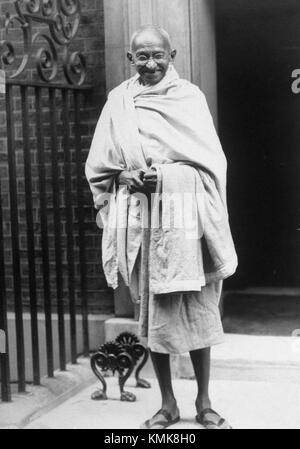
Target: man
156 136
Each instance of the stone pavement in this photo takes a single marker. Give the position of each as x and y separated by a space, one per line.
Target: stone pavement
255 384
246 404
40 399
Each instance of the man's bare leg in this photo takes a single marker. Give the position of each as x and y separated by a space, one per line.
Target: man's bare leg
161 363
169 413
209 418
201 363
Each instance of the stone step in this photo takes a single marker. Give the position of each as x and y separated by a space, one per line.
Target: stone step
262 311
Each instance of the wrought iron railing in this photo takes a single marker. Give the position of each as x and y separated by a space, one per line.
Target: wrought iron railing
49 111
62 18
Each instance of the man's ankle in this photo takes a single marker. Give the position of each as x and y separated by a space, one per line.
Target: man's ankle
169 404
202 402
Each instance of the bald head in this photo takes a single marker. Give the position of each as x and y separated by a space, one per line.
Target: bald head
150 34
151 53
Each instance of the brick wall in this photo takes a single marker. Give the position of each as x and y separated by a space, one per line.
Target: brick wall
89 40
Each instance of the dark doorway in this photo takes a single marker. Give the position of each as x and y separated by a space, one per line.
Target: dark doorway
258 47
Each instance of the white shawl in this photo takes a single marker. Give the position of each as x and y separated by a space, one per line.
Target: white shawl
177 114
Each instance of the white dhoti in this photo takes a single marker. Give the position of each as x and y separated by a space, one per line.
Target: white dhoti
184 322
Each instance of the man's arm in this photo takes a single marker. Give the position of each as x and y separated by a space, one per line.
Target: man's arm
105 160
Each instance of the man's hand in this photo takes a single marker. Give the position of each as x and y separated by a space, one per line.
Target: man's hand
150 180
133 179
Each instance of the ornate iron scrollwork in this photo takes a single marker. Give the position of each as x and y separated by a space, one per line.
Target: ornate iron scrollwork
122 356
62 18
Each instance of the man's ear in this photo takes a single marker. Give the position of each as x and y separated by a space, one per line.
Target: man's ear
130 57
173 54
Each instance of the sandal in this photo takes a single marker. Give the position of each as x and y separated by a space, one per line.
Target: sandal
211 420
161 420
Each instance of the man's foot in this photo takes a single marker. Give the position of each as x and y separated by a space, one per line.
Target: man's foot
161 420
211 420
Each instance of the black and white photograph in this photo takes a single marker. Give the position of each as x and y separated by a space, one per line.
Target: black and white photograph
149 217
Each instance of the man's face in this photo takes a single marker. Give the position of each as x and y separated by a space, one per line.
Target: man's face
151 56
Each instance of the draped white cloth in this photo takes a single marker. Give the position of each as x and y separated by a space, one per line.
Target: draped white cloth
143 126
